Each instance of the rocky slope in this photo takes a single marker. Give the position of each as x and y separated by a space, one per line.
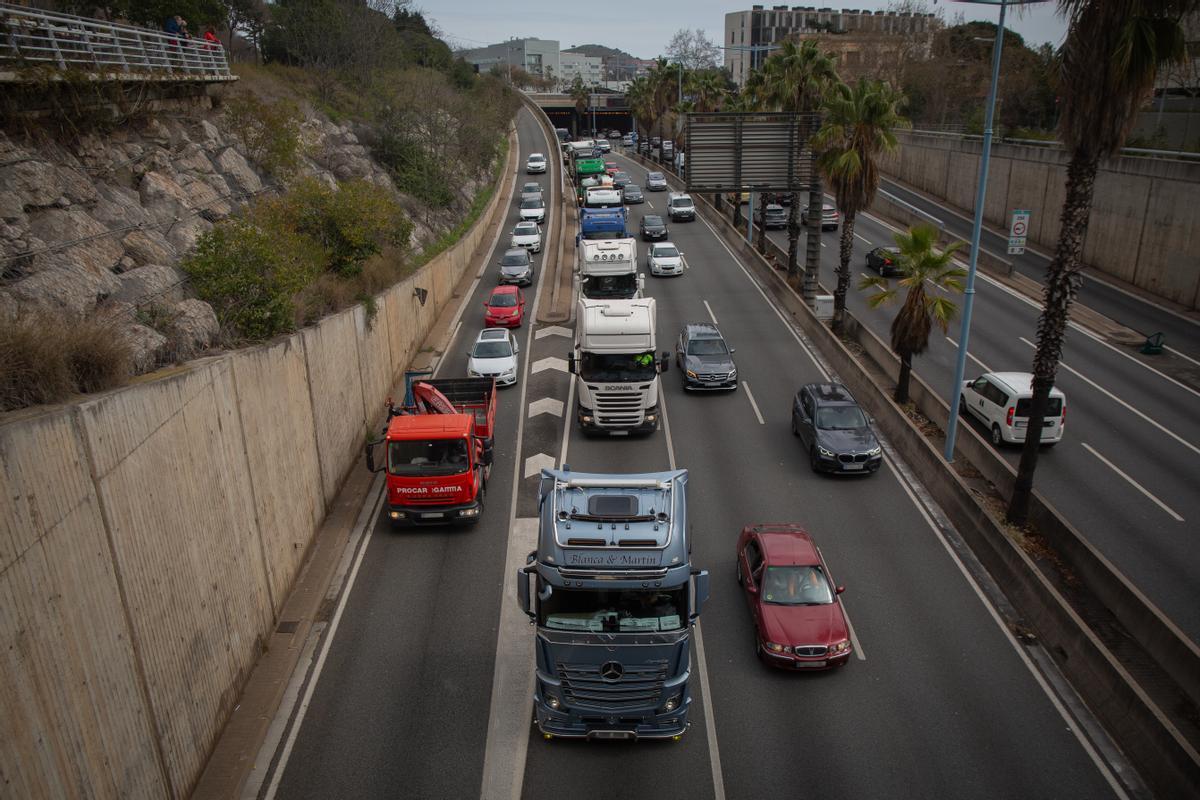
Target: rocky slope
97 227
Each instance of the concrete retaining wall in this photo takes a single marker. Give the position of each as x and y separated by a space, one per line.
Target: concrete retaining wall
149 536
1145 222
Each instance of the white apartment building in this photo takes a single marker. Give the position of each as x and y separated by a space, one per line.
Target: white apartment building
590 69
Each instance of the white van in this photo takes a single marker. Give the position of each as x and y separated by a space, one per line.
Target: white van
1001 401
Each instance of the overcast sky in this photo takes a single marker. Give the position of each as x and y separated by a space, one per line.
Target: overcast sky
644 29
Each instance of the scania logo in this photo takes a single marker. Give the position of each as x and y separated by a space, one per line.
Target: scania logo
611 671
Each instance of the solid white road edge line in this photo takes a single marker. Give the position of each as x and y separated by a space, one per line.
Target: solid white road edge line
512 679
366 520
753 404
1121 402
710 721
1132 482
710 313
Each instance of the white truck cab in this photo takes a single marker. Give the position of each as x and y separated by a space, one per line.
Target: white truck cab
608 269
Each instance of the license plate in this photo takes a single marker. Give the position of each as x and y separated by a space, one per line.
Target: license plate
810 664
618 433
432 515
853 466
1020 423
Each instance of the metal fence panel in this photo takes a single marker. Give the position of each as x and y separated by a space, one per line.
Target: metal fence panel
749 152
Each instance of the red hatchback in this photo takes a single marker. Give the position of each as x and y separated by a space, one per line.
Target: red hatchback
798 617
504 308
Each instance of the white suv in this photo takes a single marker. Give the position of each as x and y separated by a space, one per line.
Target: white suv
680 207
494 355
1001 401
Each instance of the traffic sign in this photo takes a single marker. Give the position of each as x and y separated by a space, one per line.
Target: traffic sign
1018 231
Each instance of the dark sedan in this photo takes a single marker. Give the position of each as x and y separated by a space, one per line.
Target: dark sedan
704 358
885 261
652 227
622 179
834 430
633 194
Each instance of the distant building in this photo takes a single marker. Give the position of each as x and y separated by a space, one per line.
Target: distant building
535 56
866 43
590 69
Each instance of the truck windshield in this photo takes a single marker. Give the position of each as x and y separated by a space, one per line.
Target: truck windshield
603 287
609 610
428 457
617 367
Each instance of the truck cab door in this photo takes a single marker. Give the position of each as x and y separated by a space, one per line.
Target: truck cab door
699 593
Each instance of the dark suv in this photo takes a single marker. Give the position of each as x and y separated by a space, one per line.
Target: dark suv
835 431
704 358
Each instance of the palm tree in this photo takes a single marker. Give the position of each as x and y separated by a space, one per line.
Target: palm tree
922 264
707 88
661 79
796 78
1108 63
581 96
856 131
639 95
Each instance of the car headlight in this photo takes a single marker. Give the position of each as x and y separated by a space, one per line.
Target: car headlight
825 452
732 374
839 647
874 451
473 374
776 648
691 374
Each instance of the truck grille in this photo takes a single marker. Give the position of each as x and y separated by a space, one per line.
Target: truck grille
619 409
638 686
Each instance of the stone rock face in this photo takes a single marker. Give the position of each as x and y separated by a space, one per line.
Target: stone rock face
148 247
97 251
237 171
65 286
195 325
157 283
146 344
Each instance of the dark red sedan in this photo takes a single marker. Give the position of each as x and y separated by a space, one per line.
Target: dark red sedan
798 617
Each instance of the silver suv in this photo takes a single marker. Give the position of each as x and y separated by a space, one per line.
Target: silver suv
680 207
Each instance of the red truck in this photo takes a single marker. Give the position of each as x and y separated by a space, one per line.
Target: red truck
438 452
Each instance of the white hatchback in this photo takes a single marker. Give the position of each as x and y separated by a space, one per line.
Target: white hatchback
535 164
1001 401
494 355
527 235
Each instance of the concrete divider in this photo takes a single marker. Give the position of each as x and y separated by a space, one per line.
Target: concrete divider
150 535
1124 692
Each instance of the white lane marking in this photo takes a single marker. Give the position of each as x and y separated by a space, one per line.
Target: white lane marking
766 299
1121 402
537 462
859 653
547 405
710 313
753 404
863 239
1132 482
973 358
552 330
364 524
650 204
512 680
1075 728
1175 352
710 723
822 244
550 362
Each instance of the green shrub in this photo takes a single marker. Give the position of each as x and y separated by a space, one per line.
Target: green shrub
269 130
250 274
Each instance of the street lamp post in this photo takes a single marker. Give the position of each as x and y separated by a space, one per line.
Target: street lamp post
960 365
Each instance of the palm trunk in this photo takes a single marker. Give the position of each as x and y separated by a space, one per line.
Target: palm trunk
1062 284
845 250
760 232
737 209
793 237
902 382
812 255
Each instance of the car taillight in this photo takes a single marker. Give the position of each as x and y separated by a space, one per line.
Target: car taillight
1062 419
1008 418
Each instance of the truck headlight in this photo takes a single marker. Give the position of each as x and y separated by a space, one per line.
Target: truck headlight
469 512
396 514
553 702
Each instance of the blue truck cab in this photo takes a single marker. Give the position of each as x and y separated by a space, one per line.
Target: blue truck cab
602 223
613 595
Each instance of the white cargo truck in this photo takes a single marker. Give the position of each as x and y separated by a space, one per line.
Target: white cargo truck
608 269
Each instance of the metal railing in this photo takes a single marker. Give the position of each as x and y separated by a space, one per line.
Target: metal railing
30 37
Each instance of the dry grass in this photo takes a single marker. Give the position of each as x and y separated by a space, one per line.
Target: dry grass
330 292
45 358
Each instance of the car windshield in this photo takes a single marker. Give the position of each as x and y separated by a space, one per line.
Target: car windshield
427 457
666 252
514 259
796 586
681 202
631 189
528 229
532 187
617 367
611 610
531 203
492 349
506 300
654 176
652 221
840 418
621 176
707 347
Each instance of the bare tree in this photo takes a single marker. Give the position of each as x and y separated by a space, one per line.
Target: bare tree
693 49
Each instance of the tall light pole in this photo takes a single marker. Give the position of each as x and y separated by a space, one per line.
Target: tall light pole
960 365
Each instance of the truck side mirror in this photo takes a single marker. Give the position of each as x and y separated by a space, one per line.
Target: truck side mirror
572 367
485 456
700 593
523 590
664 362
371 456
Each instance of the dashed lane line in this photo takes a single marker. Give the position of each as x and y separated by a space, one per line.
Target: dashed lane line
1132 482
754 405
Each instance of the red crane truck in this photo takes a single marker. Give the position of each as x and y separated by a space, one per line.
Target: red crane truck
438 452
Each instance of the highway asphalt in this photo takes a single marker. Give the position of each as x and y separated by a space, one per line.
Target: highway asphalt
939 701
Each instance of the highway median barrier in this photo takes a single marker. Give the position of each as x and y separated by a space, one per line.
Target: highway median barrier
1135 670
559 262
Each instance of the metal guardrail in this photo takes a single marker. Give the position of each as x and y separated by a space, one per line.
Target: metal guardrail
32 37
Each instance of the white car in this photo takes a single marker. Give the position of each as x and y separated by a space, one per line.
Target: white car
527 235
663 258
533 209
494 355
1001 400
535 164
